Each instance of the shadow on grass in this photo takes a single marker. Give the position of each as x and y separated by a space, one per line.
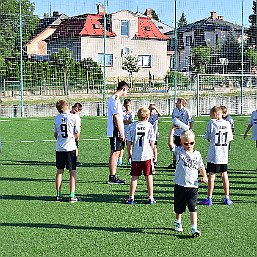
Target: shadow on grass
17 162
28 198
153 231
28 179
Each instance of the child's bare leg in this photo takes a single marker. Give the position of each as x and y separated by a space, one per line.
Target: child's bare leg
193 219
149 183
224 177
211 184
178 216
58 179
155 153
73 175
133 186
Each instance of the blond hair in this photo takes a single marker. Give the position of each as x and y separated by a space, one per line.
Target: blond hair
61 105
143 113
187 134
215 109
183 101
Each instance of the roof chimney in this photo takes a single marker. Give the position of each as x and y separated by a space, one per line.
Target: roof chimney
55 14
149 12
100 8
221 18
46 15
213 15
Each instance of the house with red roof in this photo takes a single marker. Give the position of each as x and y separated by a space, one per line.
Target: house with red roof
127 33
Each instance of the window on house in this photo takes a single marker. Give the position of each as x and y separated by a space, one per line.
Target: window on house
96 26
108 59
144 60
216 39
188 40
147 28
125 28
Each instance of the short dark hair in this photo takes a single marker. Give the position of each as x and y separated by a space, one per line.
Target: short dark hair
77 105
126 101
121 85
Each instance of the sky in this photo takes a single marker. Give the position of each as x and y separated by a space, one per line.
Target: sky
194 9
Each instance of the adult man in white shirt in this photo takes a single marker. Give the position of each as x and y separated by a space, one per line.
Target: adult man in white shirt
115 130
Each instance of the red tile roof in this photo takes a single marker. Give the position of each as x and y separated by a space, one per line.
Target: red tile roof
148 30
94 26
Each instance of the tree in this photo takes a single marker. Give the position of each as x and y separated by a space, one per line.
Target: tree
153 14
201 56
9 25
252 32
182 20
63 60
130 64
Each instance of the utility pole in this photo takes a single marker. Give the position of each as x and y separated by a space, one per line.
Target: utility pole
21 57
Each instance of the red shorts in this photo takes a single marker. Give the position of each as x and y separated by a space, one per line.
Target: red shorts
138 166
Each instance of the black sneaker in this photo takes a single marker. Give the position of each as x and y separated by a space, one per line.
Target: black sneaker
116 180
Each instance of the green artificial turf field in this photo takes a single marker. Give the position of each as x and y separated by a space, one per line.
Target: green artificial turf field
33 224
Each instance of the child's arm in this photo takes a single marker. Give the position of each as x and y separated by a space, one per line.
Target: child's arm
129 147
247 129
204 178
170 139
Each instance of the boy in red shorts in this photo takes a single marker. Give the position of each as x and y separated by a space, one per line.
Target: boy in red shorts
141 138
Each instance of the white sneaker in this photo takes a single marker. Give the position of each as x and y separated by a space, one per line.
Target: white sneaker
178 227
196 233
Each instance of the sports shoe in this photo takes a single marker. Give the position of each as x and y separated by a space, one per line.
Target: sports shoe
116 180
206 201
119 162
78 164
155 164
59 198
227 201
178 227
130 201
196 233
74 199
151 201
172 166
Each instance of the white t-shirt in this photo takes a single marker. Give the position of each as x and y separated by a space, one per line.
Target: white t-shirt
128 116
114 107
253 122
154 119
65 125
188 165
219 134
141 133
183 115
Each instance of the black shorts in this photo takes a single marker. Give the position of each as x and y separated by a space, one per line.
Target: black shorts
216 168
177 140
117 144
66 160
185 196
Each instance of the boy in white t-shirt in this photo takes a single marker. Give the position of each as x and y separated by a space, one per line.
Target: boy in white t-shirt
189 162
154 120
219 135
66 131
141 138
76 109
183 114
128 119
253 124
